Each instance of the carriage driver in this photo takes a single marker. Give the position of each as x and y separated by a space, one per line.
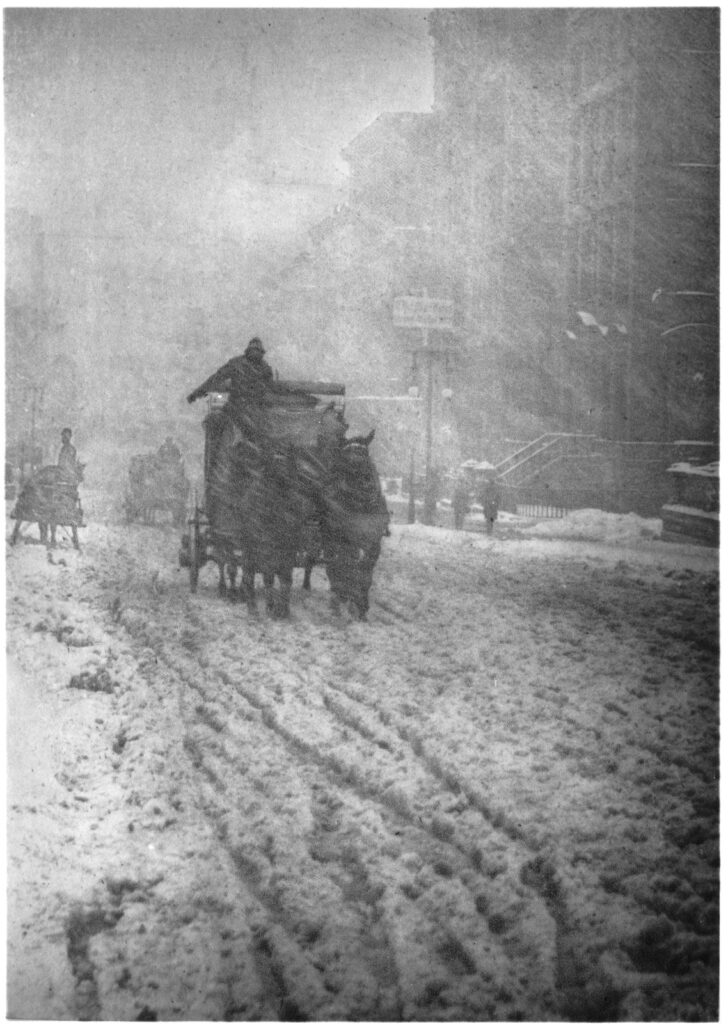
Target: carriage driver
67 455
169 452
245 378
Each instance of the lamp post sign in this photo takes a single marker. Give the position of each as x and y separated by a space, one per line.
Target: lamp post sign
426 314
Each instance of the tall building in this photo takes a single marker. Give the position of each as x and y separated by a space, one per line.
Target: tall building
584 177
562 194
642 211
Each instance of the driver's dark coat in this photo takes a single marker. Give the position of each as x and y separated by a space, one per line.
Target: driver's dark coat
67 459
244 379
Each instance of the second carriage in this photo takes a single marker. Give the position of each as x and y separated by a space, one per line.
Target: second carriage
156 486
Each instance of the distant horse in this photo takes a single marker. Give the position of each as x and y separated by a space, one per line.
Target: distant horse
50 499
355 520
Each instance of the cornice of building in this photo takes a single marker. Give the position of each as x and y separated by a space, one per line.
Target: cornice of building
618 81
368 224
385 125
348 214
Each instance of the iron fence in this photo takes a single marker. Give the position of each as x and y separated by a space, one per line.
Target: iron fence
545 502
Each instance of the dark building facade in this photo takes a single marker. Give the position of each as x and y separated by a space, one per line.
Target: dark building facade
584 177
642 211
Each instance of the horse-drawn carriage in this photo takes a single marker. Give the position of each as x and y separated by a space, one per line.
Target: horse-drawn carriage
50 499
156 485
283 490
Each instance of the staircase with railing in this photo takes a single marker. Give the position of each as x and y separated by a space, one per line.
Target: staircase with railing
556 473
524 464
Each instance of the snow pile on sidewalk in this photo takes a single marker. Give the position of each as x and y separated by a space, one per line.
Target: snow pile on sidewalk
593 524
586 524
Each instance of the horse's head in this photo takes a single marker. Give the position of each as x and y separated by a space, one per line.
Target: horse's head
356 470
333 426
360 441
355 452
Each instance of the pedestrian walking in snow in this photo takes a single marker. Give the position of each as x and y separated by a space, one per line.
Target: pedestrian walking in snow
490 499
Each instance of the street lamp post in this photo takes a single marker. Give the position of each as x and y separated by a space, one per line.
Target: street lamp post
424 312
428 516
414 393
411 501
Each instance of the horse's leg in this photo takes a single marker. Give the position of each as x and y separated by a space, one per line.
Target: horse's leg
283 597
221 588
359 604
308 565
368 560
16 532
270 593
232 568
74 537
47 533
247 583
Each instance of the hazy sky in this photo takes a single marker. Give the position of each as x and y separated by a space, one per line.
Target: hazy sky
228 120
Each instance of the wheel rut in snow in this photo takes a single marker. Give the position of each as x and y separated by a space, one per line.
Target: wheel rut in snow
448 858
393 808
356 746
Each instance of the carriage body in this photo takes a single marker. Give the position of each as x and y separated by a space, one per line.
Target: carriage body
50 499
290 423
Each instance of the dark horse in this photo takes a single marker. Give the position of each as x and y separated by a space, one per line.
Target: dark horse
273 511
355 520
273 507
317 471
50 499
257 521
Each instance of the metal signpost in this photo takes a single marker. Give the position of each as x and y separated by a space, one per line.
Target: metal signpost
425 314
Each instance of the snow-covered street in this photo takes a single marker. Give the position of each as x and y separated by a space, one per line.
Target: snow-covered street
496 799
